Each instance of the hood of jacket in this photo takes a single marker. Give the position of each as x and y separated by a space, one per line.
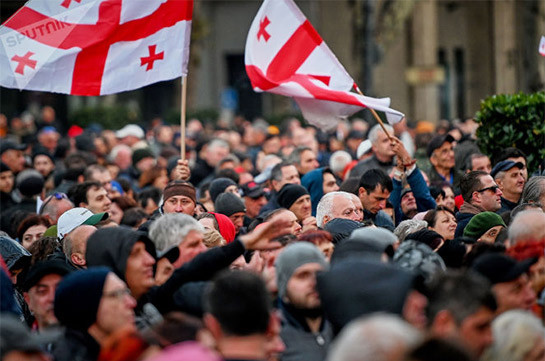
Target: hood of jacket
13 253
313 181
112 246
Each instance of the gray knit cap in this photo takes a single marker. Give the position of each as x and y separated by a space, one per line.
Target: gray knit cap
292 257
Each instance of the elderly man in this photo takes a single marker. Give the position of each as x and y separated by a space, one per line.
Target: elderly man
75 244
509 278
39 290
510 178
480 194
383 153
305 331
92 304
336 205
179 197
54 206
76 217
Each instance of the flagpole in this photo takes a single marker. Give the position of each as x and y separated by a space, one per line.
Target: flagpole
375 115
182 116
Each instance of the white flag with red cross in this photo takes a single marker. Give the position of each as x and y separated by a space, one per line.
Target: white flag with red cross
95 47
285 55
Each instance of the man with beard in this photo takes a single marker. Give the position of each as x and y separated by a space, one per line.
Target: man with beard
305 331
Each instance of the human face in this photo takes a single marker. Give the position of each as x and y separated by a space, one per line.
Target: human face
161 181
289 176
382 148
512 183
308 162
302 207
489 199
445 225
104 178
232 189
342 208
443 157
179 204
207 223
40 299
329 183
408 204
516 294
475 331
116 308
44 165
14 159
481 163
116 213
214 155
190 247
98 200
238 220
6 181
301 288
359 207
523 161
32 234
151 207
164 271
295 226
490 235
448 200
254 205
375 200
139 271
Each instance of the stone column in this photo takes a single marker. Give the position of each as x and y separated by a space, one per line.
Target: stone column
424 53
505 53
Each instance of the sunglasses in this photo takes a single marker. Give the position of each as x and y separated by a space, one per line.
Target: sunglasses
492 188
57 196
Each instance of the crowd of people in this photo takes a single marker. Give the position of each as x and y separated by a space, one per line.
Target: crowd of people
372 242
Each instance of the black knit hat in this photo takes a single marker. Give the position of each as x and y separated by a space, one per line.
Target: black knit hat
289 194
218 186
44 268
140 154
78 296
229 204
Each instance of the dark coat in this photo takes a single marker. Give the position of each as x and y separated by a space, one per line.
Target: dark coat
76 346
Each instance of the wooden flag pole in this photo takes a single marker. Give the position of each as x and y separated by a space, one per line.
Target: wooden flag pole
182 116
375 115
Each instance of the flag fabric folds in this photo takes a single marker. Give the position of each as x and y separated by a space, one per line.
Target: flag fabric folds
285 55
95 47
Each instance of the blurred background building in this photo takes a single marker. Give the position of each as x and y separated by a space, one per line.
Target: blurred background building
436 59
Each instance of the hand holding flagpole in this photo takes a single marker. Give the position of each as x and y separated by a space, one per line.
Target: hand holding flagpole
375 115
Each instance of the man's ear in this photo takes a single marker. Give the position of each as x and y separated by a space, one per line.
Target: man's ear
443 324
82 205
499 182
77 258
325 220
27 298
361 191
213 325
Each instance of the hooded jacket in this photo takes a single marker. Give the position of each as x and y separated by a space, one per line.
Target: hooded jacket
313 181
467 211
111 247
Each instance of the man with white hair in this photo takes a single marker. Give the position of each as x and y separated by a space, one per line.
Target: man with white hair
178 230
527 225
336 205
383 152
338 162
380 337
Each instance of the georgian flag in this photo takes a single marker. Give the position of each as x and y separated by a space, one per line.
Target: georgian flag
285 55
95 47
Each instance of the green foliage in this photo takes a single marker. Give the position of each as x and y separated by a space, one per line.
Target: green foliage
513 121
110 117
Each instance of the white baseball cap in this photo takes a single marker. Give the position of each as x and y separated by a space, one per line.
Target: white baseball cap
75 217
130 129
363 148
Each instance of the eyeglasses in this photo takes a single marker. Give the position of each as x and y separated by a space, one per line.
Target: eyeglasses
119 294
491 188
57 196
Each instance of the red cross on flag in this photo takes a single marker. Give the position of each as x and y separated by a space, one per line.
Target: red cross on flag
95 47
285 55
